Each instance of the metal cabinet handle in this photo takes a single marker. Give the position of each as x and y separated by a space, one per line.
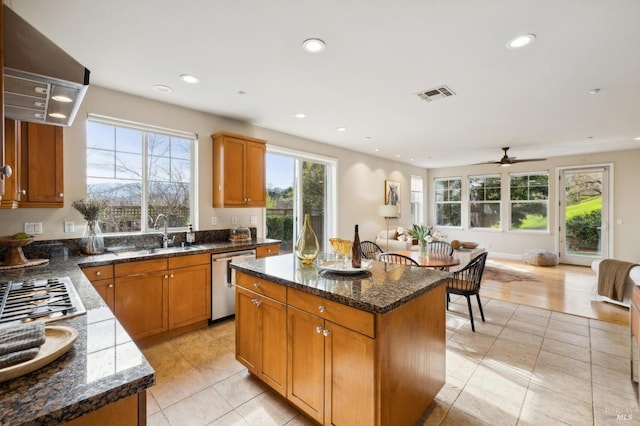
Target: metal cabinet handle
172 275
6 170
318 329
23 192
256 285
61 194
110 286
321 308
166 276
325 332
99 273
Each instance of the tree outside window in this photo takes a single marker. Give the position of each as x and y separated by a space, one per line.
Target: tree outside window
484 202
529 198
448 200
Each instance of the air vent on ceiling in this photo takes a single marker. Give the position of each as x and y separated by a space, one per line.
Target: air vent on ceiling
436 93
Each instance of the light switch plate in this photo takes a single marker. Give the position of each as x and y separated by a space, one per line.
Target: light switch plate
234 220
214 220
33 228
254 219
69 226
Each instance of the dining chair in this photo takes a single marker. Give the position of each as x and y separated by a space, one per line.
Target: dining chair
466 282
397 258
370 250
440 247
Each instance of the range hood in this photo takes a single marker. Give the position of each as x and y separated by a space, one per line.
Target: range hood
42 83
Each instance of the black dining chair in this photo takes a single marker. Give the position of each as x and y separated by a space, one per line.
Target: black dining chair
440 247
370 250
466 282
397 258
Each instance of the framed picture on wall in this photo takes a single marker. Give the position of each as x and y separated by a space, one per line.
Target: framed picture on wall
392 193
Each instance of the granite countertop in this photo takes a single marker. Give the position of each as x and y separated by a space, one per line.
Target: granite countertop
380 289
104 364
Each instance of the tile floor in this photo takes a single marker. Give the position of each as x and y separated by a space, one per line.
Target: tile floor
524 366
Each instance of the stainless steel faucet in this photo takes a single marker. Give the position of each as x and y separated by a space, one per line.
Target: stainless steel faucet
165 236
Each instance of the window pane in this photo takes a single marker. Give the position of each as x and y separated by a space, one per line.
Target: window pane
100 136
484 215
101 163
128 166
128 140
529 205
448 214
448 201
529 216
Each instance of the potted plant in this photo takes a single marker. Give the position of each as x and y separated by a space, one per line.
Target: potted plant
92 240
423 235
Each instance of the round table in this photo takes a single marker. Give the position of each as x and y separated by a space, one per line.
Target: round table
431 260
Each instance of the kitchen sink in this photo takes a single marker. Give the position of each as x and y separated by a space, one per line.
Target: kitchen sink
155 250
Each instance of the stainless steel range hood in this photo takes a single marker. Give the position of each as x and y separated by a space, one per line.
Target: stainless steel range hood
42 83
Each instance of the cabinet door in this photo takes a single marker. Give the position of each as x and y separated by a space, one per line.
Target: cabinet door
12 159
106 290
189 295
255 186
247 330
273 344
141 303
268 250
41 168
234 171
305 362
349 380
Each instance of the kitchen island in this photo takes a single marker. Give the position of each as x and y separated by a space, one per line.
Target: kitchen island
363 349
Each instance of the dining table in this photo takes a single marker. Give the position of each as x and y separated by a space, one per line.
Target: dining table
430 260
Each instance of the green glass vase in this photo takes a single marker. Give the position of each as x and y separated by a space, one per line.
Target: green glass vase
307 246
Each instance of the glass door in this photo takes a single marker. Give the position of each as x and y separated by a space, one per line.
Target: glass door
584 215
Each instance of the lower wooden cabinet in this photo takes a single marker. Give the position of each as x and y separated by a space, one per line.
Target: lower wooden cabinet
331 370
141 303
189 295
261 337
268 250
106 290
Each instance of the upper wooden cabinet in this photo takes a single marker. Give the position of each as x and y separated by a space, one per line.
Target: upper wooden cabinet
238 171
41 166
12 159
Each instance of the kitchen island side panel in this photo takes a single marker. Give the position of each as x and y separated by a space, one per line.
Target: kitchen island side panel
412 354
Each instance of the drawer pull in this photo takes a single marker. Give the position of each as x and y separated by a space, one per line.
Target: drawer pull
321 308
99 273
256 285
110 286
325 332
318 329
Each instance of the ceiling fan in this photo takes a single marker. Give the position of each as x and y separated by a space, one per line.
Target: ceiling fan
507 161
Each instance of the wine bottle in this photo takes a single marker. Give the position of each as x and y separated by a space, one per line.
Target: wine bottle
356 252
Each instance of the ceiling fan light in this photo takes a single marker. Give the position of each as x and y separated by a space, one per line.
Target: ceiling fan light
313 45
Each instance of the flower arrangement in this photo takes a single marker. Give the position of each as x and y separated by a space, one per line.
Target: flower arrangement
90 209
421 233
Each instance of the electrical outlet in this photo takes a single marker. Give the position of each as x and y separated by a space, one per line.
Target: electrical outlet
234 220
214 220
254 219
33 228
69 226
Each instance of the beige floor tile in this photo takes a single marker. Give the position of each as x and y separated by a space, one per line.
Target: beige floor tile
611 400
561 348
240 388
609 327
450 391
571 327
176 381
569 318
566 364
568 337
458 417
611 379
609 346
152 405
522 337
519 356
487 406
232 418
474 342
534 314
267 409
157 419
300 420
557 405
561 382
620 364
435 414
527 327
199 409
459 365
502 380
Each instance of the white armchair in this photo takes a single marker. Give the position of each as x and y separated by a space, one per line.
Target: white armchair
633 279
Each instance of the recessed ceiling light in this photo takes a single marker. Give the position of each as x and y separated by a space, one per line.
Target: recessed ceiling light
57 115
61 98
341 129
313 45
637 139
162 88
594 91
300 115
521 41
189 78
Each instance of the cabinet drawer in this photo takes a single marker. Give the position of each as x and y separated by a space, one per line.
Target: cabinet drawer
191 260
140 267
263 287
265 251
98 272
346 316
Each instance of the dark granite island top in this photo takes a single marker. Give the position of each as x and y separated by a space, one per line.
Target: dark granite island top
378 290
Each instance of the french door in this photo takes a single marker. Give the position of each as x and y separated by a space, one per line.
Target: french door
584 214
298 184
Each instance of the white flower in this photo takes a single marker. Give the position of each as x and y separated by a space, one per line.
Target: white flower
429 238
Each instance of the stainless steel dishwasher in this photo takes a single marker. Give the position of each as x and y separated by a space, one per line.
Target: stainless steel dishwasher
223 291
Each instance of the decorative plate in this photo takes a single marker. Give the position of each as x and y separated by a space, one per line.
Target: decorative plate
337 266
58 340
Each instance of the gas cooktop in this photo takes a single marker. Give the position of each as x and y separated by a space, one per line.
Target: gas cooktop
45 300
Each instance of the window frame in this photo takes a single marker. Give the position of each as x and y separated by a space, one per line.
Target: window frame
485 201
436 202
512 202
146 129
417 199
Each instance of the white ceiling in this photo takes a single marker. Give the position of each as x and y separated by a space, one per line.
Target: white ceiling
378 55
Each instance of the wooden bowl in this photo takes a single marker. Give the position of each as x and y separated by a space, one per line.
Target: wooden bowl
14 250
456 244
468 244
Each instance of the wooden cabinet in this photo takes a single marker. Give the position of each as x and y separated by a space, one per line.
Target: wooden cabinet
189 290
41 166
12 159
238 171
268 250
101 278
634 325
330 367
261 330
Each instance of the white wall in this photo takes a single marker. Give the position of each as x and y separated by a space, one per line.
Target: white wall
360 177
625 201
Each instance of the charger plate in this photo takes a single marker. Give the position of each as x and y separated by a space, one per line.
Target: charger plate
58 340
337 267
